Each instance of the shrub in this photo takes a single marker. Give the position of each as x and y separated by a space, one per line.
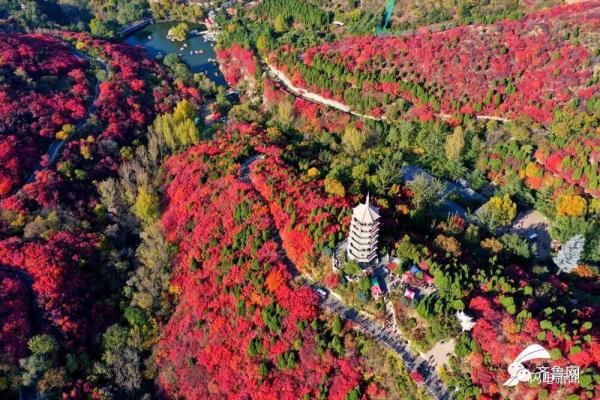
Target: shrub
449 244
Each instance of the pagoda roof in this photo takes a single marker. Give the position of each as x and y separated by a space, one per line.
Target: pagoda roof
365 212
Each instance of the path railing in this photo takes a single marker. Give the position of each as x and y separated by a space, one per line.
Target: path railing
135 26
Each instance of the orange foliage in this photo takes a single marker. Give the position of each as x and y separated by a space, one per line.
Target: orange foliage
584 271
274 280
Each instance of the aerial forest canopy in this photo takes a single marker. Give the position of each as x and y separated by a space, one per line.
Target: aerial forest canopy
343 200
295 11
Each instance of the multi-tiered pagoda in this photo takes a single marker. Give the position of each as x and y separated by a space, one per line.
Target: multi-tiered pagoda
364 234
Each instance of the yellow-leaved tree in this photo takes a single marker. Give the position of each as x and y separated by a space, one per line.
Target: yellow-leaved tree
146 206
312 173
333 186
66 132
179 128
280 24
353 140
455 143
498 211
571 206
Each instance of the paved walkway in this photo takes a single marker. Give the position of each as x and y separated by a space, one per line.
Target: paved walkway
440 352
534 227
392 340
245 169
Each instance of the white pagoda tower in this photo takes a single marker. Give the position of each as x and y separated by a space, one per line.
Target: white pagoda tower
364 233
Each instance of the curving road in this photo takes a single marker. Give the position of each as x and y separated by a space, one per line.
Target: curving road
20 274
316 98
363 322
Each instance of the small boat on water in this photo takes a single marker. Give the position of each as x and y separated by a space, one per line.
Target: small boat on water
149 37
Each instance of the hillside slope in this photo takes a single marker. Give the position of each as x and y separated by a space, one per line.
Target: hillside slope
509 69
70 107
242 328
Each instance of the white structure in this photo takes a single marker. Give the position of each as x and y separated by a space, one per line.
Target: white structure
466 322
364 233
568 257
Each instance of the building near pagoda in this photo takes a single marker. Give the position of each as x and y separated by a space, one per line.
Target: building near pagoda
364 234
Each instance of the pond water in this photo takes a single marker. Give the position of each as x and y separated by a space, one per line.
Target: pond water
154 38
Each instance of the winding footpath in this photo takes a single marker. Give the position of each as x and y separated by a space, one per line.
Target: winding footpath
57 145
362 322
20 274
316 98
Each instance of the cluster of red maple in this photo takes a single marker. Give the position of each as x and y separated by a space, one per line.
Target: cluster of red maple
126 103
525 67
44 87
241 329
562 163
15 301
236 63
304 215
47 84
60 284
123 106
575 162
